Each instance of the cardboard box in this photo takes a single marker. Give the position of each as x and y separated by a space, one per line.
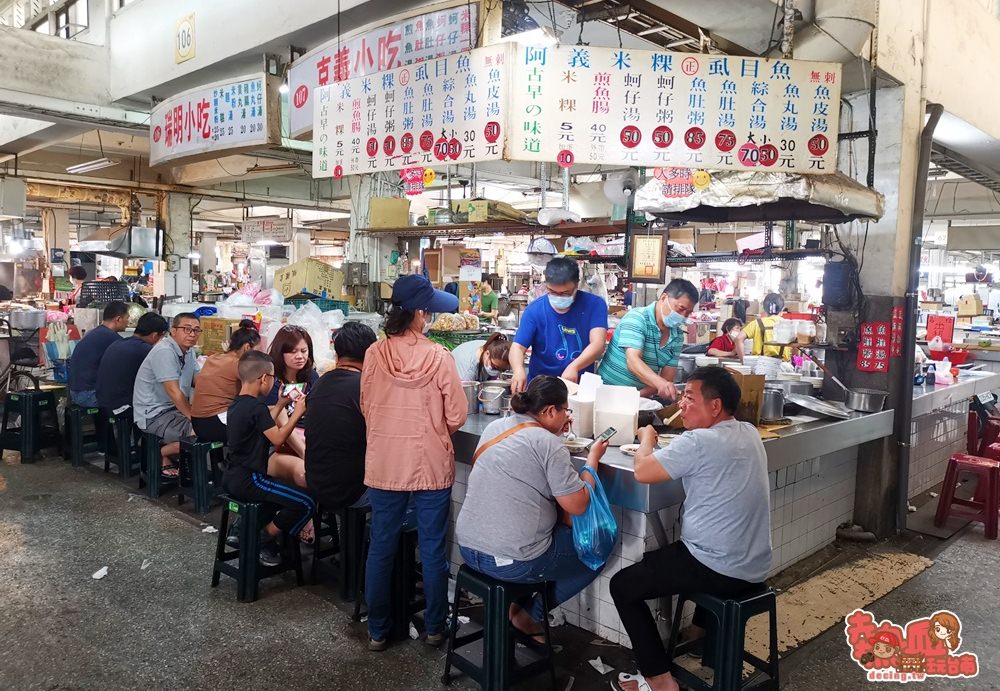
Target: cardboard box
717 242
388 212
310 277
970 306
477 209
215 333
751 396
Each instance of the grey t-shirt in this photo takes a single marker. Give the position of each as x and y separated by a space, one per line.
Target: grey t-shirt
510 508
726 520
165 362
467 360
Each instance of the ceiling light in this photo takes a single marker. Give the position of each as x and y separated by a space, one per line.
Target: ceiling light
91 166
278 168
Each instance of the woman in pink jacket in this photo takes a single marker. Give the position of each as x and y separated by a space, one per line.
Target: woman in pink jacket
413 402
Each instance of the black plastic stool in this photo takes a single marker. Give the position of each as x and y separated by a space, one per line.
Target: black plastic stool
500 664
34 433
731 615
119 446
353 523
151 468
403 602
195 459
248 571
77 442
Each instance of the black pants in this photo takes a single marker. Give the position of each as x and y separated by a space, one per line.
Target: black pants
294 507
209 429
668 571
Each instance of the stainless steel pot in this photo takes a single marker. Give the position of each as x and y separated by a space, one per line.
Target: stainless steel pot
773 407
490 396
787 387
865 400
685 368
471 389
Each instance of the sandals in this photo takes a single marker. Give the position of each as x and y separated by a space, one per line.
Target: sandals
170 472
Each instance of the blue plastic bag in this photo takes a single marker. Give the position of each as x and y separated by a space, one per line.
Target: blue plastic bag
595 531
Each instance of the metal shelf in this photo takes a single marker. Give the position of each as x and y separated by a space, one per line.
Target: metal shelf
596 227
775 255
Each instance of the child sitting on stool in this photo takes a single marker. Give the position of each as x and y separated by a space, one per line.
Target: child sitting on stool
251 432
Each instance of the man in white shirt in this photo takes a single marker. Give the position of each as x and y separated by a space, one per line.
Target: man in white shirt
725 545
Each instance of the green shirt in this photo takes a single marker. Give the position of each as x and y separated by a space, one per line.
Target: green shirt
638 329
488 304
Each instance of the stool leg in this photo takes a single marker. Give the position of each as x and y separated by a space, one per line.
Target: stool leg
452 634
152 463
296 553
317 521
68 431
729 650
499 640
989 481
199 477
675 627
359 574
249 554
947 494
548 635
220 546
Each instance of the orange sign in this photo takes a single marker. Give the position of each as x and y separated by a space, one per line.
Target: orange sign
941 326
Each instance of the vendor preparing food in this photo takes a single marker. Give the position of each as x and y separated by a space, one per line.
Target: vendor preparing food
761 330
647 344
566 331
483 360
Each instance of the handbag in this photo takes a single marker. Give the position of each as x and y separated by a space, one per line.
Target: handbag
595 531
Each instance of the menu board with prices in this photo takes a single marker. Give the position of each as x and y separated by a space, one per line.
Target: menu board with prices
424 37
267 229
233 114
873 349
448 110
619 106
896 344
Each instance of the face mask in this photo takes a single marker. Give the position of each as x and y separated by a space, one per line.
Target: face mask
673 320
427 321
561 302
734 334
491 371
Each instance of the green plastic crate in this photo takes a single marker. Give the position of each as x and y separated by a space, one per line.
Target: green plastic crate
324 304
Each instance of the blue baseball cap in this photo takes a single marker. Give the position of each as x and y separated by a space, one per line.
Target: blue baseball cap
415 292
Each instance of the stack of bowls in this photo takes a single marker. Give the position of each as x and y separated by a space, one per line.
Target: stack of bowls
705 361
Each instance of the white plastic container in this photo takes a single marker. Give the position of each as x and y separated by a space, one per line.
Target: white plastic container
583 416
618 407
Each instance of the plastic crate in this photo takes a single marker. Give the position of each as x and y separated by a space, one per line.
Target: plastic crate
103 292
459 337
324 304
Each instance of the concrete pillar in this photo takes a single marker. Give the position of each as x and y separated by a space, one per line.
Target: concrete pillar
301 246
177 245
55 230
206 248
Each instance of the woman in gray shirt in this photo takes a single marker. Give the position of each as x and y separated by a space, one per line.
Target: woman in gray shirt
508 527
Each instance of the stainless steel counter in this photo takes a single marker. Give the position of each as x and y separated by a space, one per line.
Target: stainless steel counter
928 398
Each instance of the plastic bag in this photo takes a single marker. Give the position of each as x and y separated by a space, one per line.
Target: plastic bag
310 318
595 531
936 344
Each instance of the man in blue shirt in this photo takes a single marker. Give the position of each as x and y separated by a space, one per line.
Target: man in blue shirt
121 362
646 346
87 355
566 330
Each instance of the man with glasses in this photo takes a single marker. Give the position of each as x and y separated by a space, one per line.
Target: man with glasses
566 331
162 397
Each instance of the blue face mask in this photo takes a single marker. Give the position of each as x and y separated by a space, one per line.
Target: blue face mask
561 302
673 320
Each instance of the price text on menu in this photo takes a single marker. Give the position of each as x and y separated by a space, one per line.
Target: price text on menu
617 106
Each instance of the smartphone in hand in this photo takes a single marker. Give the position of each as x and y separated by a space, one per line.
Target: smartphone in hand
293 391
604 436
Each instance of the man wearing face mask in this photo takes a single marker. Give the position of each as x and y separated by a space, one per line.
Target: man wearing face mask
566 330
646 346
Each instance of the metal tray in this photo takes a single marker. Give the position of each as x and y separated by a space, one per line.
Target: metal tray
827 408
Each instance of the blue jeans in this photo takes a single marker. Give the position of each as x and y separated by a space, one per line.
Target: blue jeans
389 511
558 564
84 399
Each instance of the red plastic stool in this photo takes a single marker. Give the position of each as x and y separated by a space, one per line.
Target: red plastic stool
985 506
990 431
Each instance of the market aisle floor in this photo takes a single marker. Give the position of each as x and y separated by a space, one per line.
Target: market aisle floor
163 627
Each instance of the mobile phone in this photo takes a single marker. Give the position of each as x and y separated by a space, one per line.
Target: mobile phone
293 391
604 436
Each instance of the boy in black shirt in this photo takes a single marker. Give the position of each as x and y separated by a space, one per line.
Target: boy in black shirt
252 430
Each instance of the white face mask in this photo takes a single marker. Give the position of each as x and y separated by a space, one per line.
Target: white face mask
427 321
491 371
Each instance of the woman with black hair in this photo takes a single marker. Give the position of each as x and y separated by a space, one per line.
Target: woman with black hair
521 479
729 343
483 360
219 384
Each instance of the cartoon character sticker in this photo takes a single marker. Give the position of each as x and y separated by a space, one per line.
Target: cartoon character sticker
922 648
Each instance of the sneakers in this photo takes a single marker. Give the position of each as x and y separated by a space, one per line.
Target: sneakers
233 535
270 555
377 646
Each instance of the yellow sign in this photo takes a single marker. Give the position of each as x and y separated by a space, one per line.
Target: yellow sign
429 177
701 180
184 39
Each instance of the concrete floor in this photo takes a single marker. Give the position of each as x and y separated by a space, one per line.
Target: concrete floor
164 627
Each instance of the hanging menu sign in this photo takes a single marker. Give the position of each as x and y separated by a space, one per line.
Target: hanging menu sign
447 110
618 106
233 114
267 229
424 37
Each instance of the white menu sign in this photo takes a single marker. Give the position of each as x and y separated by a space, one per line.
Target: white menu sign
232 114
273 229
446 110
419 38
618 106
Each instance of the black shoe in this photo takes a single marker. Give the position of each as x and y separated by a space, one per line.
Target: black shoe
270 554
233 535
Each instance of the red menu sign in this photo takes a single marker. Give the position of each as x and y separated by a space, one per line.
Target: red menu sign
941 326
873 350
896 344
